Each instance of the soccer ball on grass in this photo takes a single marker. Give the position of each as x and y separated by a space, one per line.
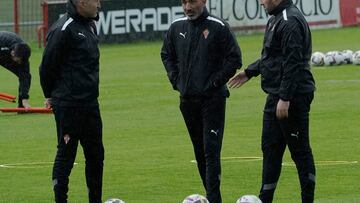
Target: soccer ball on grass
317 59
330 58
195 198
249 199
356 58
348 54
114 200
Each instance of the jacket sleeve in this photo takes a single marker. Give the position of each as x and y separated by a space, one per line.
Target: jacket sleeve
168 57
52 56
292 46
232 57
24 81
253 69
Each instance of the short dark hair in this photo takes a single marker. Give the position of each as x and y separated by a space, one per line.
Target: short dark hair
23 51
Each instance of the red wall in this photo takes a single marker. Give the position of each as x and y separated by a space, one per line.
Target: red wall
350 12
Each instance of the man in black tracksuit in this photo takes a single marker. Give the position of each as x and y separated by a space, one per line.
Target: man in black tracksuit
14 56
69 75
286 78
200 55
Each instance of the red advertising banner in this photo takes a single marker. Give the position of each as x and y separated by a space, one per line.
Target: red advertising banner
350 12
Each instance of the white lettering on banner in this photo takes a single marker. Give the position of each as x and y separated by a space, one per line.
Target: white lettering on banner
177 12
248 14
133 17
148 18
136 20
104 23
164 11
117 22
242 15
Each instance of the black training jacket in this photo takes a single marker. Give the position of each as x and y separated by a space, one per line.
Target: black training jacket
200 56
284 64
22 71
69 72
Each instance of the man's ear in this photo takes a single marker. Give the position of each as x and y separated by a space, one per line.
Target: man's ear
81 3
12 53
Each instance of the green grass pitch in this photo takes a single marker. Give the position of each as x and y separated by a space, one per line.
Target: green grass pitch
148 151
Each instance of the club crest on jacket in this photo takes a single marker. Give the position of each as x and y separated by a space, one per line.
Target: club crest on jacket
206 33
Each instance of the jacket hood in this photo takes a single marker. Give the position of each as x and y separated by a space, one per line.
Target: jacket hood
71 10
283 5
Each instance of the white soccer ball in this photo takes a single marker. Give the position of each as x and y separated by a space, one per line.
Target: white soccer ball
195 198
339 58
329 59
317 59
348 54
114 200
249 199
356 58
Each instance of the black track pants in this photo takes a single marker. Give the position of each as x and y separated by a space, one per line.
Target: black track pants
204 118
74 125
294 133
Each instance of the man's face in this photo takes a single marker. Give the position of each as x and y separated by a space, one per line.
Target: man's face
270 5
89 8
193 8
15 58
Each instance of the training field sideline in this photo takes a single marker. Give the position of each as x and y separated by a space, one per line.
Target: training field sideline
147 149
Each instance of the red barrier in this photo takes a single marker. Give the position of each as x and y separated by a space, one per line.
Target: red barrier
43 28
6 99
350 12
7 96
16 17
26 110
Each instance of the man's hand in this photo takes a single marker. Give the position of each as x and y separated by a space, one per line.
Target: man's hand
238 80
25 103
282 109
47 103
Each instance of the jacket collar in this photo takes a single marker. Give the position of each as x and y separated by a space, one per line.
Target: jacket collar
283 5
71 10
201 18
